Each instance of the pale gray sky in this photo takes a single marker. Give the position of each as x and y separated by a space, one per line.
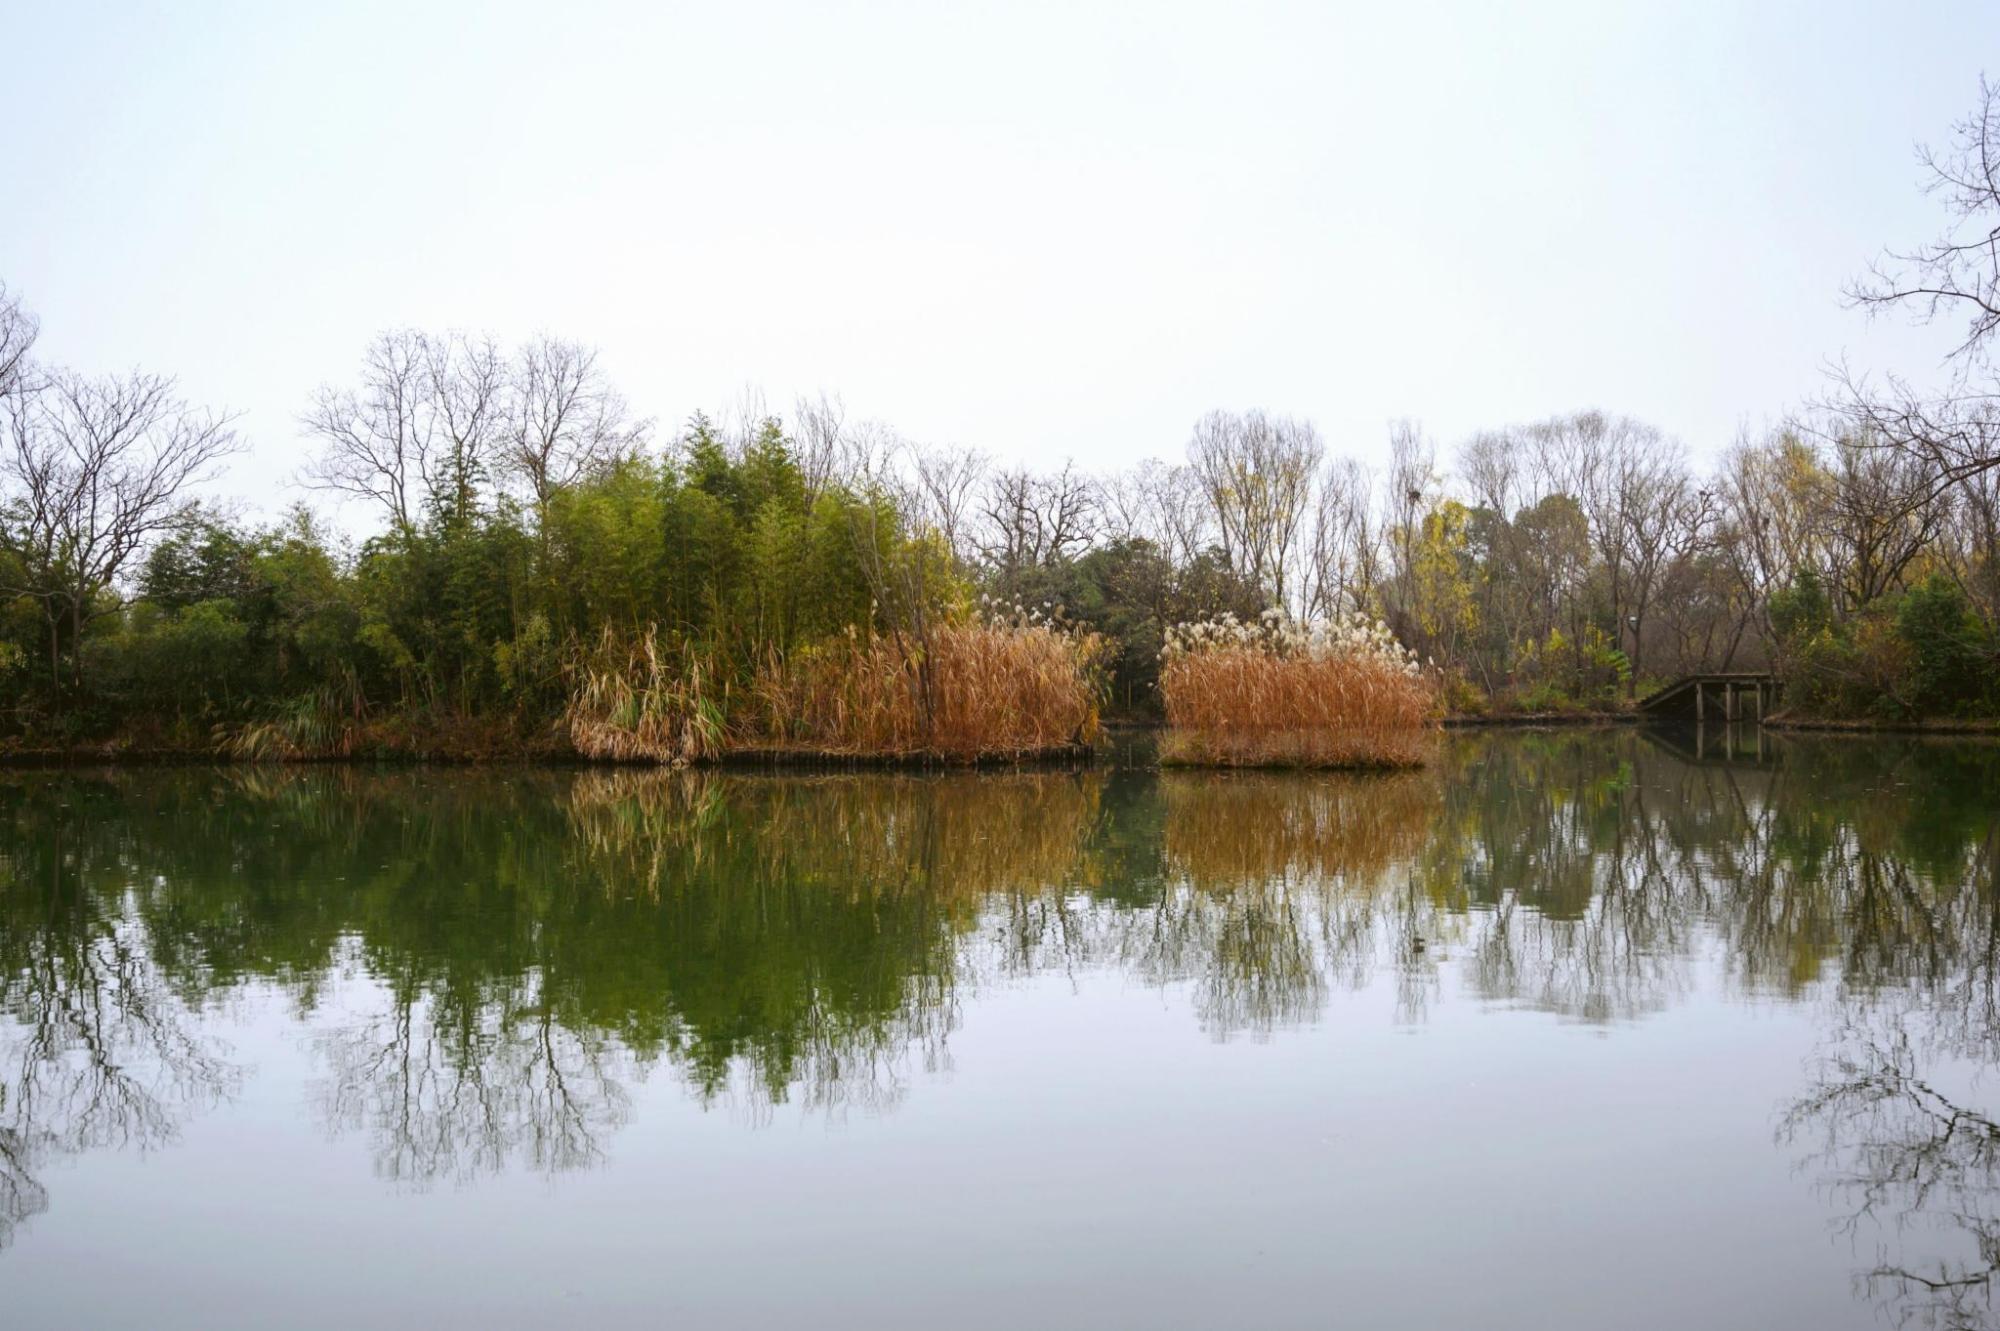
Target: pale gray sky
1042 231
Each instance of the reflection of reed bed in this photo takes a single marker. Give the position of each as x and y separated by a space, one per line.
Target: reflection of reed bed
962 836
1225 831
1262 745
965 836
626 816
1276 889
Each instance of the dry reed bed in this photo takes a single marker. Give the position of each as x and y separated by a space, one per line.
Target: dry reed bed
964 692
642 700
1280 694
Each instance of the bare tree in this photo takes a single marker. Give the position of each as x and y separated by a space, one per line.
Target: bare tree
743 418
1667 521
1970 542
1412 481
1883 510
1159 503
373 441
946 479
1957 273
467 381
1770 530
1032 521
414 439
1258 473
564 418
17 339
818 431
1341 563
1956 437
1567 453
91 471
1494 465
1614 466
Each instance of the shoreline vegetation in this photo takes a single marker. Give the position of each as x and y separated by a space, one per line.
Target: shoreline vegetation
404 748
530 570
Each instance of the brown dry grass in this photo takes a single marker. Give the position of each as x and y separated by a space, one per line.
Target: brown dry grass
974 690
639 700
1249 700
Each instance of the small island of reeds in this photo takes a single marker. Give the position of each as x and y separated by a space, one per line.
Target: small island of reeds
1275 692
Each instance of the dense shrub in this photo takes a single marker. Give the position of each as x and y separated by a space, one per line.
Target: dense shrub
1924 653
1951 651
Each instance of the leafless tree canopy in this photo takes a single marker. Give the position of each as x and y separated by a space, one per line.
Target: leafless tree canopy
1956 433
436 416
1159 503
1258 472
818 432
92 470
564 420
1029 520
378 441
946 482
1957 274
17 339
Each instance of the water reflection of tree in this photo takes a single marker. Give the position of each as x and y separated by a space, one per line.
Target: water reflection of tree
813 930
1564 869
1281 886
769 939
1897 866
96 1049
452 1092
532 944
1591 871
1890 1147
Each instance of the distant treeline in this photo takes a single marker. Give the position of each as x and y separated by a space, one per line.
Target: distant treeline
527 523
538 543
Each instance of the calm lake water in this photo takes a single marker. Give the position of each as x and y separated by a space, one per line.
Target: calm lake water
1571 1030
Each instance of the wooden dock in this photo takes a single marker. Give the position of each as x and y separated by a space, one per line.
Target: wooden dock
1717 696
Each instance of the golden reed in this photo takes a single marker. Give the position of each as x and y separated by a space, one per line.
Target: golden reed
967 691
1276 693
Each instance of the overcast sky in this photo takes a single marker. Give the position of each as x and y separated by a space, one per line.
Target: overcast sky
1041 231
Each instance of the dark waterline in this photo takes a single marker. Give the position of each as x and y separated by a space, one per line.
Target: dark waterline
1576 1029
